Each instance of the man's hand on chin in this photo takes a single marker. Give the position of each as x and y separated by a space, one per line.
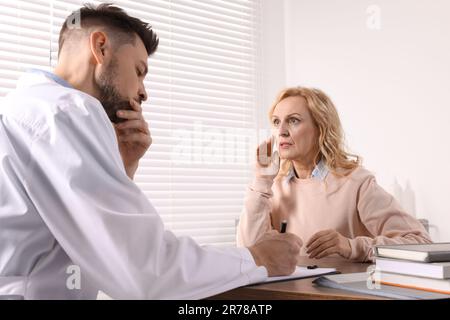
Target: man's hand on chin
133 136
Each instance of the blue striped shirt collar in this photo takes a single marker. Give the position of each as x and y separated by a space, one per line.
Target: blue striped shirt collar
319 172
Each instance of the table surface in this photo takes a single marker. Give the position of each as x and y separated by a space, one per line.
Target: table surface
301 289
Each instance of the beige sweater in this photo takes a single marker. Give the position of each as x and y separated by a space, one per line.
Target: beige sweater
355 206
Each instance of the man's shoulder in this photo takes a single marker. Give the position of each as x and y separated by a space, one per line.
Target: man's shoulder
50 96
37 107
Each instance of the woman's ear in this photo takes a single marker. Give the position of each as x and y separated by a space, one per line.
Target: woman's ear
97 41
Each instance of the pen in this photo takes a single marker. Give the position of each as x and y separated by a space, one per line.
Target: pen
283 226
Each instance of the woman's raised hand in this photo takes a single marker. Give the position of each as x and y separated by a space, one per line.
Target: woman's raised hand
267 160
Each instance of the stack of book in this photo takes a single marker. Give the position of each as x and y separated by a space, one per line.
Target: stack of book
415 266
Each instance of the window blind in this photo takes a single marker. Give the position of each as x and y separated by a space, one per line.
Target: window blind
24 39
203 92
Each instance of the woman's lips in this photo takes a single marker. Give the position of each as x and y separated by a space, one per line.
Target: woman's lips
285 145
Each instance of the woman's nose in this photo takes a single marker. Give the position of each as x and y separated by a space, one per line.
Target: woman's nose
282 130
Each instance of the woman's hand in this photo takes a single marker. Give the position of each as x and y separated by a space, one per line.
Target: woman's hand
133 136
327 242
267 162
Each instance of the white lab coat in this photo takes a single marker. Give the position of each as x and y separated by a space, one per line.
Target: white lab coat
65 200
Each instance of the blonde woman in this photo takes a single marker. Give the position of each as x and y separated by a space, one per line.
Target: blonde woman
328 199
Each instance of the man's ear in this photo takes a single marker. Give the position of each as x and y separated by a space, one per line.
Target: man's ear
98 41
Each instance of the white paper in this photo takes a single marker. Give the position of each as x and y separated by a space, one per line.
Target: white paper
302 272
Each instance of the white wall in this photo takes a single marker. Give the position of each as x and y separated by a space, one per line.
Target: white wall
273 57
391 86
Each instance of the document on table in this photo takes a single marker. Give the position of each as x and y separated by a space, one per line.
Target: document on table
301 273
357 282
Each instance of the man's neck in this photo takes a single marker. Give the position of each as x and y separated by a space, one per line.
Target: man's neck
78 79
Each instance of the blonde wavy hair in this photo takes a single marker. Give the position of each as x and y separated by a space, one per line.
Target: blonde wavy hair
330 145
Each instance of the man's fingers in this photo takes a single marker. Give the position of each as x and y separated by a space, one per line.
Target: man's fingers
139 138
140 125
135 105
129 114
294 238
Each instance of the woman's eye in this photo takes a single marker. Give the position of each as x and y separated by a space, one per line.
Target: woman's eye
275 122
293 121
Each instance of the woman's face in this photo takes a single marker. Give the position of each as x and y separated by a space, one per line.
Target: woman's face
295 130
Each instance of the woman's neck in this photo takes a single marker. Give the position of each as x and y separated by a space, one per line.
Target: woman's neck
303 170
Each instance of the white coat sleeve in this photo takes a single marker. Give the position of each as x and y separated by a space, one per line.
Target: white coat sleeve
110 230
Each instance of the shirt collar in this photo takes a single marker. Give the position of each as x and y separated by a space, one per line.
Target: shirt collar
52 76
319 172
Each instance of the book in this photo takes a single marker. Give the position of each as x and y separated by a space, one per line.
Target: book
361 282
301 273
430 252
436 270
413 282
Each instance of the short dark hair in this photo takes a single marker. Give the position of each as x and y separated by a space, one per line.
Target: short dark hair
123 26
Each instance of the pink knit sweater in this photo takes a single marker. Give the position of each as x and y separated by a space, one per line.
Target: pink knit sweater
355 206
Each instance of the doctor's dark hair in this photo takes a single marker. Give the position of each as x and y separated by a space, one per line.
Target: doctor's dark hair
122 27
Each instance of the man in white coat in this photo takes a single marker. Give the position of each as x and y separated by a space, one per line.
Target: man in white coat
70 143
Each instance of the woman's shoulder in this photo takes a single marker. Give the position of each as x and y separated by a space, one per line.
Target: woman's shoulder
336 178
357 175
361 173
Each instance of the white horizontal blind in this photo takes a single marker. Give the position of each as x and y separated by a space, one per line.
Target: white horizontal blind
202 87
24 39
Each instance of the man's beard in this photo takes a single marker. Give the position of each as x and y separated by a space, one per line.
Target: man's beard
110 97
